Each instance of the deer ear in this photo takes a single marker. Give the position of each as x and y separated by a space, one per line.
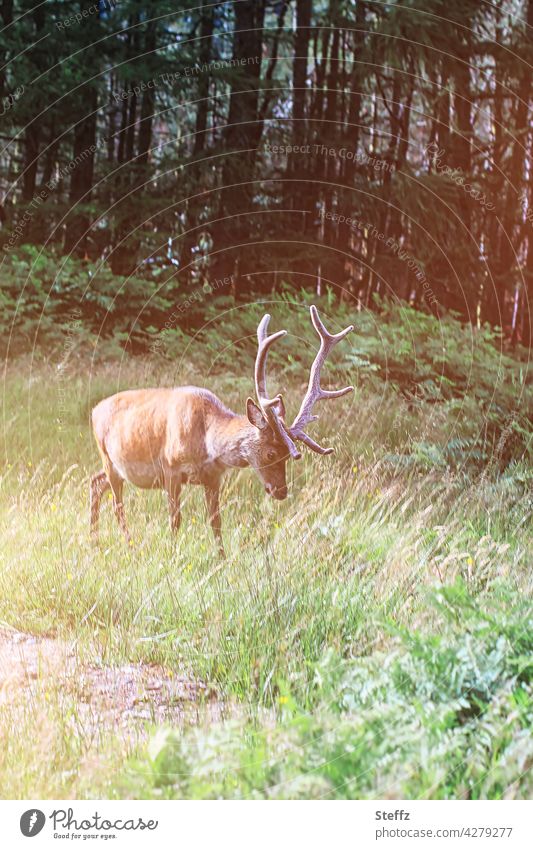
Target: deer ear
255 415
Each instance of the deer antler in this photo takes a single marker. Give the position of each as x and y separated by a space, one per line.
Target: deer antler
314 390
273 408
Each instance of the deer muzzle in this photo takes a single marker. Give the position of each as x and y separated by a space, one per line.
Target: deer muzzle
277 492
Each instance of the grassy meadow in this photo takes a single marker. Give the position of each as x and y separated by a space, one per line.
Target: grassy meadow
370 637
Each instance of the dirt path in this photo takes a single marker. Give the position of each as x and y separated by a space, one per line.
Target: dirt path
115 697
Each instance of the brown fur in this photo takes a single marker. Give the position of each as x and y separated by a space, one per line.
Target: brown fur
164 438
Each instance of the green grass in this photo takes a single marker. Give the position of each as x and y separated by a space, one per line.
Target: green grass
335 633
431 716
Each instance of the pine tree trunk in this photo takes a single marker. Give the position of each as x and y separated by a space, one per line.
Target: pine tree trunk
353 132
147 107
296 194
241 138
81 180
206 36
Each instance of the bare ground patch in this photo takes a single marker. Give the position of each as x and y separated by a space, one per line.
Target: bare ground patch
110 697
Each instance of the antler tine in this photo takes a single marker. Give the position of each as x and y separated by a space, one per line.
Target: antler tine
265 343
314 390
273 408
318 324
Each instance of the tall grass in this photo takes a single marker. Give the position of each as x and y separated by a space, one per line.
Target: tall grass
333 633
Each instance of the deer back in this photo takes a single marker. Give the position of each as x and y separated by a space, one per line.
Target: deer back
145 433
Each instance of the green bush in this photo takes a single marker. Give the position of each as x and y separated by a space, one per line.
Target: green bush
44 295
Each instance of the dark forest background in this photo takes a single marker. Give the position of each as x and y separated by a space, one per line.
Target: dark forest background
143 155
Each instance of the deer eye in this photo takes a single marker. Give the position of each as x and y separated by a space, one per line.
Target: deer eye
271 455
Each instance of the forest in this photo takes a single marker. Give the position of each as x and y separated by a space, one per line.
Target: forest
169 174
377 149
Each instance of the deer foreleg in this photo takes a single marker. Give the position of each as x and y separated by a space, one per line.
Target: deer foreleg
173 494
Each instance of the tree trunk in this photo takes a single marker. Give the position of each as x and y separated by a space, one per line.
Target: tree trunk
206 34
147 105
296 194
353 132
32 137
241 138
503 262
6 11
81 180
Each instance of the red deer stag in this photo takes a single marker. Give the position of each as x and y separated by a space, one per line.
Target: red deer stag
164 438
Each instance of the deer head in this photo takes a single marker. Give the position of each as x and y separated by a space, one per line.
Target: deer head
276 440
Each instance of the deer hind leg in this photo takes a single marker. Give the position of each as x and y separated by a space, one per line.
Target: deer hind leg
116 483
99 485
173 489
213 506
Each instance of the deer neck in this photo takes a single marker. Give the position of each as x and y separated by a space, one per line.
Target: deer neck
233 440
